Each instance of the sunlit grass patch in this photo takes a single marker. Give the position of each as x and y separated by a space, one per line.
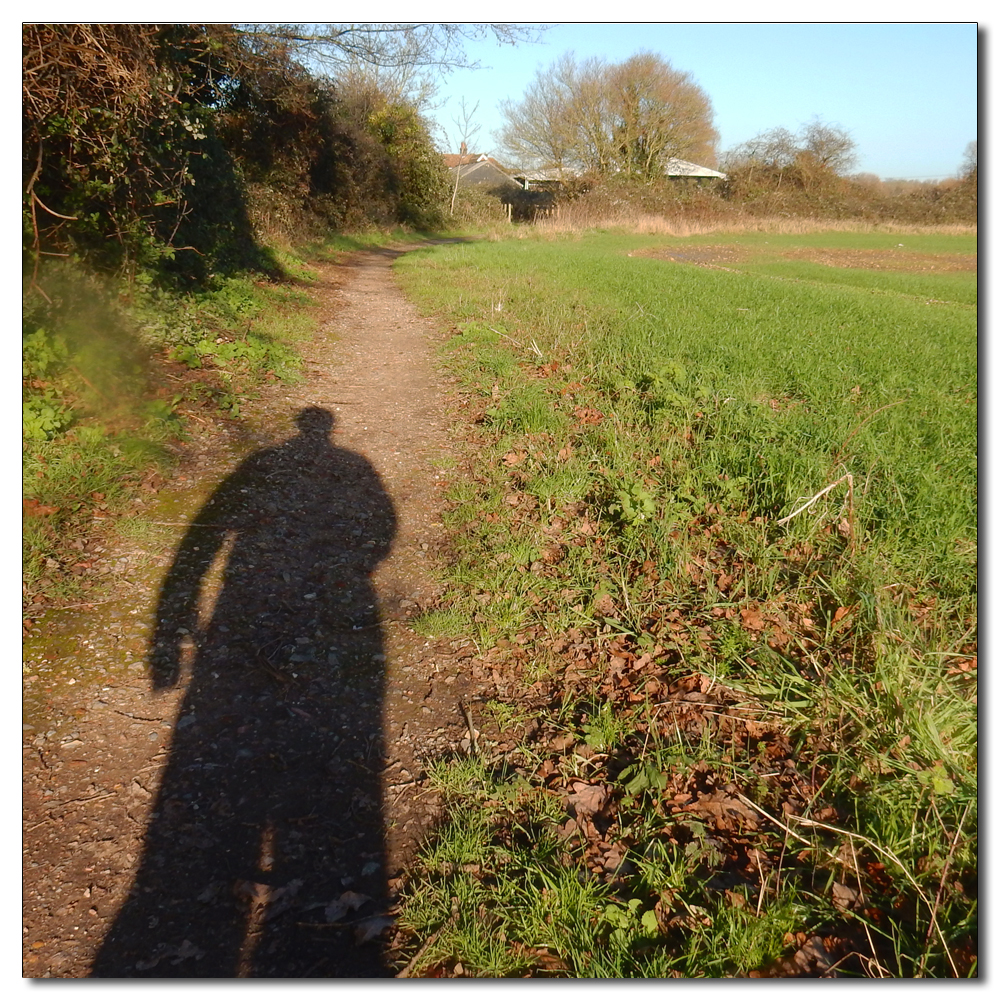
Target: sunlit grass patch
442 622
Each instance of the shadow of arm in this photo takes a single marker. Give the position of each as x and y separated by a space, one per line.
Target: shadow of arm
177 607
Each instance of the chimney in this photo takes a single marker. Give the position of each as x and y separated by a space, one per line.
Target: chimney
464 150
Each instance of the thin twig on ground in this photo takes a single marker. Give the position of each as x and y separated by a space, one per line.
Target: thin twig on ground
473 735
850 504
822 492
884 851
450 922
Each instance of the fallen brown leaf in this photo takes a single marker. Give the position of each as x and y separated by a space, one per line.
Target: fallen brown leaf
727 812
32 508
604 604
588 415
348 901
371 928
844 897
588 800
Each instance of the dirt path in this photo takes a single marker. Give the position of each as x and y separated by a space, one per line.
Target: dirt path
223 768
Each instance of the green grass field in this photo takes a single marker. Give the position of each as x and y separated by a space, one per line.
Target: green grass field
751 466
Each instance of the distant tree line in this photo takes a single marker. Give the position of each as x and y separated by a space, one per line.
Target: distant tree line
808 172
595 124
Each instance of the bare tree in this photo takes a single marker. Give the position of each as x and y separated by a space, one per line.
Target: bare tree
770 152
538 131
657 112
411 85
590 116
628 118
969 169
403 60
818 148
775 148
396 45
468 129
830 145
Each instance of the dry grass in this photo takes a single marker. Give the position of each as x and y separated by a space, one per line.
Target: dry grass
571 220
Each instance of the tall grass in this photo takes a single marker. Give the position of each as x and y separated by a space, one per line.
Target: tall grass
572 218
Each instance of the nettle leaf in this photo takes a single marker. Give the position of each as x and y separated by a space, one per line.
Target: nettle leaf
186 355
937 779
617 916
646 778
635 503
676 400
673 371
637 778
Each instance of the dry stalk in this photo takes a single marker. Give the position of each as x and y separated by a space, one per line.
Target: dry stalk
944 876
884 851
850 504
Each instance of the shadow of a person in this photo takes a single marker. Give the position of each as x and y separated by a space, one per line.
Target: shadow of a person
269 808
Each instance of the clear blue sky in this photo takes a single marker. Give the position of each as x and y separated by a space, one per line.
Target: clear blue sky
907 93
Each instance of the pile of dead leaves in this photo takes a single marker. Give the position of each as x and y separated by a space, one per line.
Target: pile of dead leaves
733 817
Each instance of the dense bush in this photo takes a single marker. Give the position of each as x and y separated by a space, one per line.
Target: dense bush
806 188
167 150
477 207
745 196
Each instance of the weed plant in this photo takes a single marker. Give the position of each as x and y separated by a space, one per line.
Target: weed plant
99 411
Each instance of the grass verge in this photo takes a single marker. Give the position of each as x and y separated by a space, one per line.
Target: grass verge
115 376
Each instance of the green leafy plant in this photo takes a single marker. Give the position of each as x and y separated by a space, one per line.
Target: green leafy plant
633 504
42 417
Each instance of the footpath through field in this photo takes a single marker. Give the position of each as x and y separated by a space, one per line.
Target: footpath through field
222 769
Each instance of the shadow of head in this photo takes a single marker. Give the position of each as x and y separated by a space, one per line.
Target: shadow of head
314 422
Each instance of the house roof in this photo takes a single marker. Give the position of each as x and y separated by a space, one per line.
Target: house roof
544 174
478 168
674 168
464 159
684 168
484 171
